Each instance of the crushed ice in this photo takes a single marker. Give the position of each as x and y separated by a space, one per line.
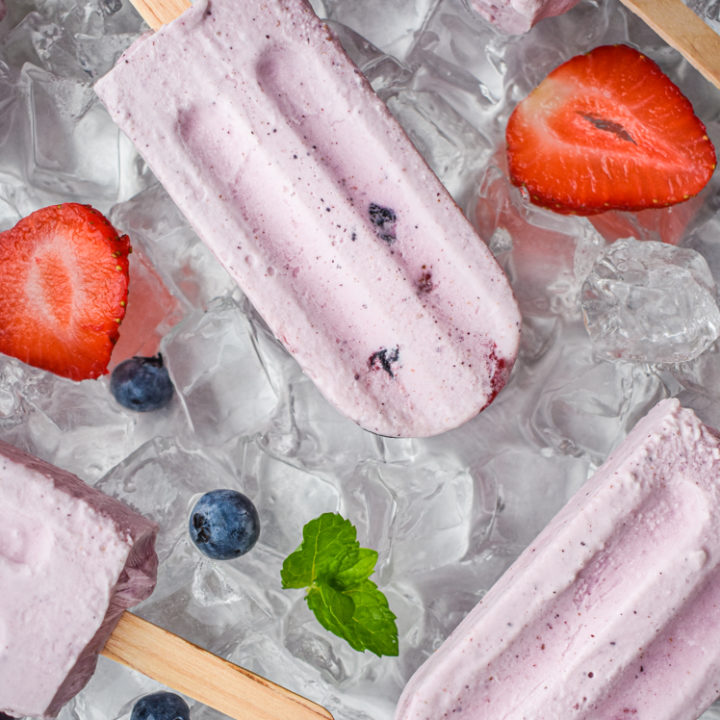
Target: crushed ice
446 514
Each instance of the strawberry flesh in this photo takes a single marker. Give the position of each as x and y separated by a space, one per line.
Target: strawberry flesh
63 290
608 130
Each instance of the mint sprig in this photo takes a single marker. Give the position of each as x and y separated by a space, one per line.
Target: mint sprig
335 570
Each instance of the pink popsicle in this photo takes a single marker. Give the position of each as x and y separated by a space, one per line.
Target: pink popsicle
295 174
72 560
613 611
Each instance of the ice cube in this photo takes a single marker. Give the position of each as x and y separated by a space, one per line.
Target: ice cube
151 311
204 353
650 302
390 26
709 10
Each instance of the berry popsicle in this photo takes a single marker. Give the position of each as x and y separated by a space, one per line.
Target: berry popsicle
72 560
295 174
613 611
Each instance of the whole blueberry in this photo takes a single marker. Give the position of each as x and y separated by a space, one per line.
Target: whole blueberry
142 383
224 524
160 706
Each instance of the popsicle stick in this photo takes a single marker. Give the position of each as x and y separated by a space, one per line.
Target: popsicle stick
157 13
682 29
187 668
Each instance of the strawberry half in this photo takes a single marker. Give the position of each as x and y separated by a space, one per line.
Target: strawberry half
63 290
608 130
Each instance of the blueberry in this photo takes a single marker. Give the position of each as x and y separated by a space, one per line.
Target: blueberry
224 524
384 359
381 216
160 706
384 219
142 384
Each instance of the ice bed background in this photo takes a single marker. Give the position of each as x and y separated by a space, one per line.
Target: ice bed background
448 514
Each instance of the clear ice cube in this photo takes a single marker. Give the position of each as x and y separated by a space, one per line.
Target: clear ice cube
650 302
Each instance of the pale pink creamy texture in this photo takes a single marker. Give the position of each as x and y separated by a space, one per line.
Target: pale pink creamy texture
71 561
518 16
614 611
308 191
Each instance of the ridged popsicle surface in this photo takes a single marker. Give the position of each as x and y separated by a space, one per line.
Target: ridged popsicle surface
295 174
613 611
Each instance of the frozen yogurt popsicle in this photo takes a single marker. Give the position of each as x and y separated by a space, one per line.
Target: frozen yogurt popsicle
295 174
518 16
613 611
71 561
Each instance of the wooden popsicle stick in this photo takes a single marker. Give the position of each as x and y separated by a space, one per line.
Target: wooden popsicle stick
157 13
683 30
187 668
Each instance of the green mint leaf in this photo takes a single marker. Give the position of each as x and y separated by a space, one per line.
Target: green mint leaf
373 619
334 611
361 570
296 570
329 545
336 571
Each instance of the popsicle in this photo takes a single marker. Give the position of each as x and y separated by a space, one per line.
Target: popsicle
613 611
72 560
516 17
295 174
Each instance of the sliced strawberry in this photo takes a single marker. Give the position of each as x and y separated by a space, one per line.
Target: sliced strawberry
63 290
608 130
